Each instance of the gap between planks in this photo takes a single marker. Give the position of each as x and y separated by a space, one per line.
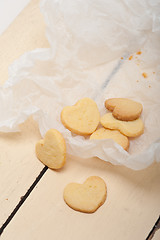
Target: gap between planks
23 199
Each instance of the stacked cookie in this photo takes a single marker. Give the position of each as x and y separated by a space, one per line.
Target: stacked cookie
123 121
83 118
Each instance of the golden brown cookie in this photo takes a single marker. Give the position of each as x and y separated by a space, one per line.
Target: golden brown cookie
51 150
128 128
124 109
86 197
103 133
82 118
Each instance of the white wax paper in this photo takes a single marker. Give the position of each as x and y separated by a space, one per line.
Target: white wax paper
87 40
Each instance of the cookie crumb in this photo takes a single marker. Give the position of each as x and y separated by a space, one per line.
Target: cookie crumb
144 75
130 58
153 72
6 198
149 86
121 57
139 53
137 80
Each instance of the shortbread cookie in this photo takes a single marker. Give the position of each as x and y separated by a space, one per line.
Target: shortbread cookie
124 109
86 197
129 128
51 150
103 133
82 118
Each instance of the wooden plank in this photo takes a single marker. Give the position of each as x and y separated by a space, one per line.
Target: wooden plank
130 211
18 164
157 235
26 33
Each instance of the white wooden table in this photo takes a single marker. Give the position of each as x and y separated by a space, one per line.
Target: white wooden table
133 201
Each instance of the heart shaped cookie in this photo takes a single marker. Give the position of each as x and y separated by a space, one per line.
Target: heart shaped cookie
82 118
119 138
124 109
51 150
129 128
86 197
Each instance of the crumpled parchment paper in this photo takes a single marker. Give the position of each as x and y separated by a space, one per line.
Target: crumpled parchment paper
93 53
